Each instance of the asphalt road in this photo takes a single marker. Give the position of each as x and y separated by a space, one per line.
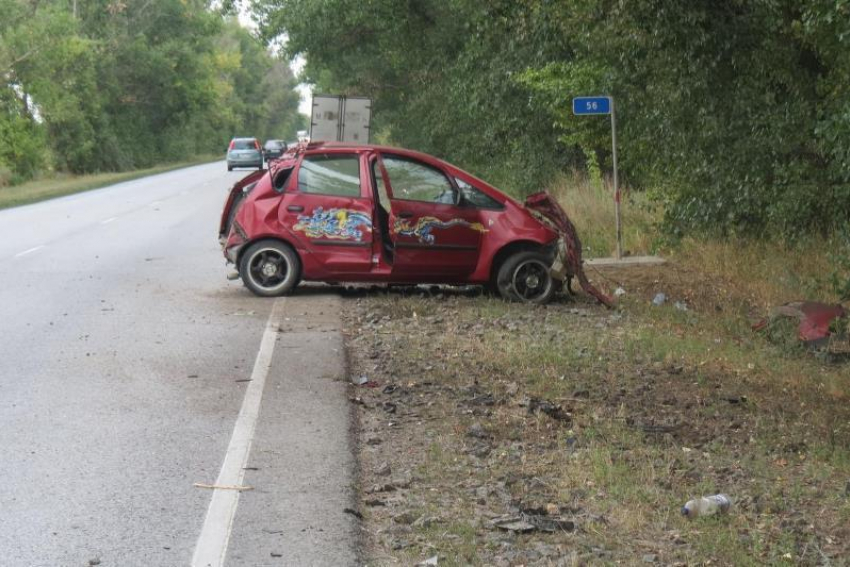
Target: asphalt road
130 369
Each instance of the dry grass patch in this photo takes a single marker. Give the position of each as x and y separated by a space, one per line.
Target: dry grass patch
590 206
733 272
610 419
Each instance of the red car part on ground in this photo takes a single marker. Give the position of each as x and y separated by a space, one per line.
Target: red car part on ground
815 319
365 213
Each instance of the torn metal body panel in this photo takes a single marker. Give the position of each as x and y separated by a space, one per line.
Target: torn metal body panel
568 263
815 319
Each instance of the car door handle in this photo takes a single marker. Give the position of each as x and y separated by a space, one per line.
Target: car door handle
405 215
295 209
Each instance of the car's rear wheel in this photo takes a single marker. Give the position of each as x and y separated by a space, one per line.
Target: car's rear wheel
525 277
270 268
229 167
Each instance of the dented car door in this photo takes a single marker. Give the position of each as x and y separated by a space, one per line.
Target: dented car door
432 236
329 212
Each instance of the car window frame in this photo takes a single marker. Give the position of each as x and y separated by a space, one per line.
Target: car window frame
374 163
388 180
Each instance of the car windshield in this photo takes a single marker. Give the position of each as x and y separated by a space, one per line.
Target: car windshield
246 144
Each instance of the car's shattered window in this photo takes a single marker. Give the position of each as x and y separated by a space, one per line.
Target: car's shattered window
330 175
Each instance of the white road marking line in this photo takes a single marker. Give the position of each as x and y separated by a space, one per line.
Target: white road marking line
109 220
212 543
30 251
155 203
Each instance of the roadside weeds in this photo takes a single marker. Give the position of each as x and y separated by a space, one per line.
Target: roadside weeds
502 434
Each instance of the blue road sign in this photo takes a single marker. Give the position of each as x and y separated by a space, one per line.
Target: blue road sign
592 105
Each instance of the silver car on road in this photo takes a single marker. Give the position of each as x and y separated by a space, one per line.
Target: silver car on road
244 152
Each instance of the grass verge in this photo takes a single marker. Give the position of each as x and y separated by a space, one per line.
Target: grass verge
482 410
591 208
752 273
66 184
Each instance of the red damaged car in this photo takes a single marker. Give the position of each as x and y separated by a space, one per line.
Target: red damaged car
361 213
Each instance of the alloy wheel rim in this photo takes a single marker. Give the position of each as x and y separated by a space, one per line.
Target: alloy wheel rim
531 280
268 268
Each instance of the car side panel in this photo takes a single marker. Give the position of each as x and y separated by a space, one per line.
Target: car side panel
514 224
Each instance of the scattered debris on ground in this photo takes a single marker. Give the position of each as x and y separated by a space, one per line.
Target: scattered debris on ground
815 321
505 434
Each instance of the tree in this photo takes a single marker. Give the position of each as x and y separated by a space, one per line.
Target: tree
113 85
736 112
439 73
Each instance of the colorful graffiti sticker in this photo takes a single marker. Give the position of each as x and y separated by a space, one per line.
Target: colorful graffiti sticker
425 225
336 224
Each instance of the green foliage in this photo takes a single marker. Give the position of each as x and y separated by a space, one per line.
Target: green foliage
440 74
22 146
737 114
839 257
122 85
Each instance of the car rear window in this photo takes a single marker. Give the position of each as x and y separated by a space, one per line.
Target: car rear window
244 145
273 145
330 175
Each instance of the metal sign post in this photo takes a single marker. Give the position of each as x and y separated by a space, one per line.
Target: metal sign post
595 105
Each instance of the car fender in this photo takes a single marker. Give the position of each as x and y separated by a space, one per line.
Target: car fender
513 228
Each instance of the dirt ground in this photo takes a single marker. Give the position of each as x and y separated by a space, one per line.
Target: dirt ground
501 434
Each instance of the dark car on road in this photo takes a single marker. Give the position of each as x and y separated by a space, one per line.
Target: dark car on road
273 149
244 152
363 213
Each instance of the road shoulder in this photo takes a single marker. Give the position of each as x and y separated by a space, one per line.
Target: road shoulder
302 466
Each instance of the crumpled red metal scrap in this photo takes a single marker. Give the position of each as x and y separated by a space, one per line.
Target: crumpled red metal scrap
543 204
815 318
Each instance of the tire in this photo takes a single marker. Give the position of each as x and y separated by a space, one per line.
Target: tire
270 268
229 168
525 277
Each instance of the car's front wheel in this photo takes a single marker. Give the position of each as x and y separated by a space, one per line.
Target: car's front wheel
525 277
270 268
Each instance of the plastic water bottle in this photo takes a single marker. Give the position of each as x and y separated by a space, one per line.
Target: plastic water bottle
706 506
